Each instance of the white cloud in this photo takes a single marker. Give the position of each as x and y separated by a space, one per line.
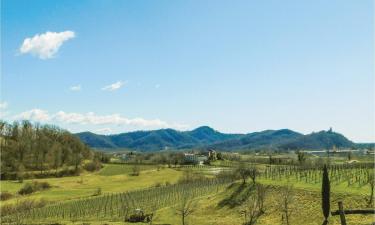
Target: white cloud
114 86
113 119
3 109
3 105
105 130
46 45
93 119
69 117
76 88
34 115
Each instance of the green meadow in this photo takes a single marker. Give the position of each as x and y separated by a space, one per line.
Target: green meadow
224 206
70 188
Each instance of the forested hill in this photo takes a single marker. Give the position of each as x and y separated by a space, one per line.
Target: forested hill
206 137
25 146
157 139
287 140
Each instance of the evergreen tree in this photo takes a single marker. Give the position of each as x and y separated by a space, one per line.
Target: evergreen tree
325 195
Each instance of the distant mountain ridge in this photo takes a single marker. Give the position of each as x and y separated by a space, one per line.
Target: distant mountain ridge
205 137
157 139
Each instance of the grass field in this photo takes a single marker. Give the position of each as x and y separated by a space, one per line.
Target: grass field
210 210
68 188
306 205
223 208
125 169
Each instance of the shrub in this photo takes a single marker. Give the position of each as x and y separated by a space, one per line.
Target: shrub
26 189
92 166
97 192
22 206
80 181
5 196
33 187
28 176
66 171
135 170
41 185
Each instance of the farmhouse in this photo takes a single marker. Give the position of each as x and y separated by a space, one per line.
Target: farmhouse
194 158
212 154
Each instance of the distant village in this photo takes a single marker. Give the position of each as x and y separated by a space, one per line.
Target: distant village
191 157
195 157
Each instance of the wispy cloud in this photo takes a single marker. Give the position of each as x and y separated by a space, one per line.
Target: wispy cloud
114 86
3 109
76 88
3 105
94 119
45 45
113 119
34 115
157 86
105 130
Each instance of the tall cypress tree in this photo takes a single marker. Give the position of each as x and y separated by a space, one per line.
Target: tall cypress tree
325 195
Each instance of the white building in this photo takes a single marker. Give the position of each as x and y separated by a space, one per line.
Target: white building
195 159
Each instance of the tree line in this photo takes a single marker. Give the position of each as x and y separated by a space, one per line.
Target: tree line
26 146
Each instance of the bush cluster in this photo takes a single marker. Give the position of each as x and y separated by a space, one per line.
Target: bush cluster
5 196
65 171
29 188
22 206
92 166
97 192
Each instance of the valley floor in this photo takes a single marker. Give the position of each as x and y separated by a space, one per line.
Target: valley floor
222 208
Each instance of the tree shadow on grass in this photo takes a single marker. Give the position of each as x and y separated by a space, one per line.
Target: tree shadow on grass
240 194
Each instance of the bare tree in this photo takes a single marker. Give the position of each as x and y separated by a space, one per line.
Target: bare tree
287 196
246 172
253 173
254 206
261 194
20 172
185 208
135 170
350 155
301 156
251 211
37 147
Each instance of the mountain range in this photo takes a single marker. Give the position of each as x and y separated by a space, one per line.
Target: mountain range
205 137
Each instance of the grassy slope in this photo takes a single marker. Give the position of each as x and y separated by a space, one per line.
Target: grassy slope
116 178
335 188
120 169
306 209
67 188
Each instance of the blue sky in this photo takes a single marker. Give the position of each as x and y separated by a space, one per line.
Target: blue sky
238 66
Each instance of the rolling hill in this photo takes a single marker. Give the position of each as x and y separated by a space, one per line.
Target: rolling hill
205 137
319 140
157 139
258 140
286 140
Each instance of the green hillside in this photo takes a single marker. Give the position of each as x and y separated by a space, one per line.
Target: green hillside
205 137
157 139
